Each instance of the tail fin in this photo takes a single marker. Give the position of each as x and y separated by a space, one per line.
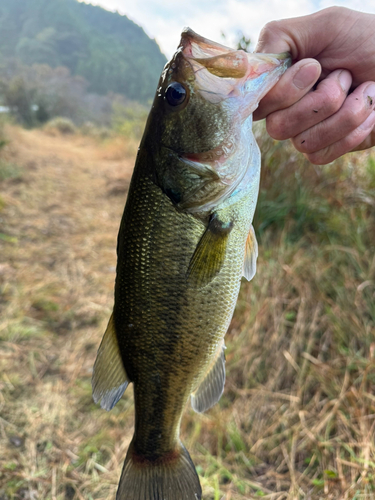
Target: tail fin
172 477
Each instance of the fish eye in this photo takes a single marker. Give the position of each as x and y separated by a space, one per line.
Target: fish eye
175 94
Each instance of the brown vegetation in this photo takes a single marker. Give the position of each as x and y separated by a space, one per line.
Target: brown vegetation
298 414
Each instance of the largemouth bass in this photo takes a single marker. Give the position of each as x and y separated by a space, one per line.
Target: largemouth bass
185 240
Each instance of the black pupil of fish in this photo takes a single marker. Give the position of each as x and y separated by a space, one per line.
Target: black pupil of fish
175 94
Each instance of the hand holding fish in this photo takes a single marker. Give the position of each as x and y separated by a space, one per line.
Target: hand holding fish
329 121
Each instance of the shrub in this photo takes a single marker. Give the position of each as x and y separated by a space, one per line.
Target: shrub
60 125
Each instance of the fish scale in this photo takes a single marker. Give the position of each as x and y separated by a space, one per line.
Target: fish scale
175 330
185 240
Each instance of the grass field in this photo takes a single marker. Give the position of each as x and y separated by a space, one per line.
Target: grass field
297 419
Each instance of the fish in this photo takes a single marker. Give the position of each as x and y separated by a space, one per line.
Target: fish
185 241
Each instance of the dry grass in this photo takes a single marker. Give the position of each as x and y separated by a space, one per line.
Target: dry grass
298 414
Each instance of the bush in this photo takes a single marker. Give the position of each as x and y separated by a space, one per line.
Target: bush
92 130
3 138
129 119
60 125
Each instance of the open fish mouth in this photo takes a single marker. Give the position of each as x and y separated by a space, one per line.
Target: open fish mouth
230 72
226 62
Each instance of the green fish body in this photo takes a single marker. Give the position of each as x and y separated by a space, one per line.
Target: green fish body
185 241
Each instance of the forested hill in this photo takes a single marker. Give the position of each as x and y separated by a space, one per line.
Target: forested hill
111 52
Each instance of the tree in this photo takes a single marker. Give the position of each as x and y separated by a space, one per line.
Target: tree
19 97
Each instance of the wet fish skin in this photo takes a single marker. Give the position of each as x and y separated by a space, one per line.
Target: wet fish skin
182 242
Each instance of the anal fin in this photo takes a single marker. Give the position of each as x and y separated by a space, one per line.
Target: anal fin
251 255
212 386
209 254
109 379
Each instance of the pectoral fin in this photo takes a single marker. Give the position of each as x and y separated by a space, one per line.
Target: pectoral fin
212 386
109 379
209 255
251 255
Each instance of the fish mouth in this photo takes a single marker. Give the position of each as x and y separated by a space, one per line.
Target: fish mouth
197 46
226 62
230 72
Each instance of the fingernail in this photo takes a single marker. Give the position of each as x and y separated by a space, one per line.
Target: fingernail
307 75
345 80
369 122
369 95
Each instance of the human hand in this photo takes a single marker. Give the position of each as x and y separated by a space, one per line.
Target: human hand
327 122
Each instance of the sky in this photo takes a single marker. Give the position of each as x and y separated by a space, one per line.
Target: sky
164 20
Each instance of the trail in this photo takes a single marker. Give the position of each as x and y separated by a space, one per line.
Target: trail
58 224
65 207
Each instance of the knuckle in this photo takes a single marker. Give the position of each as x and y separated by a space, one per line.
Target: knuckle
299 143
332 99
307 142
334 10
321 157
270 28
275 127
271 34
353 118
355 138
355 113
333 13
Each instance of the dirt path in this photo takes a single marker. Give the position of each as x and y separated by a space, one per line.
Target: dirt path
63 210
58 225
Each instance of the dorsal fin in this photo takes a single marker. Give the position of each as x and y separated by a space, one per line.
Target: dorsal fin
211 386
109 379
251 255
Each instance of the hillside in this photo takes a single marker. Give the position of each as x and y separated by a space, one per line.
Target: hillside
111 52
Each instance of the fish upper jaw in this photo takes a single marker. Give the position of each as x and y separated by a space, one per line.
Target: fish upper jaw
196 46
221 72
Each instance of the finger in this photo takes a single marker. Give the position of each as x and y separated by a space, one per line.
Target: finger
368 142
349 143
291 87
312 109
356 108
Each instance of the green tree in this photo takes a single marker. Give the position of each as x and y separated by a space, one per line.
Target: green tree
243 43
19 97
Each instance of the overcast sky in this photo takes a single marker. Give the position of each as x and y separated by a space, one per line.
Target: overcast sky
164 19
